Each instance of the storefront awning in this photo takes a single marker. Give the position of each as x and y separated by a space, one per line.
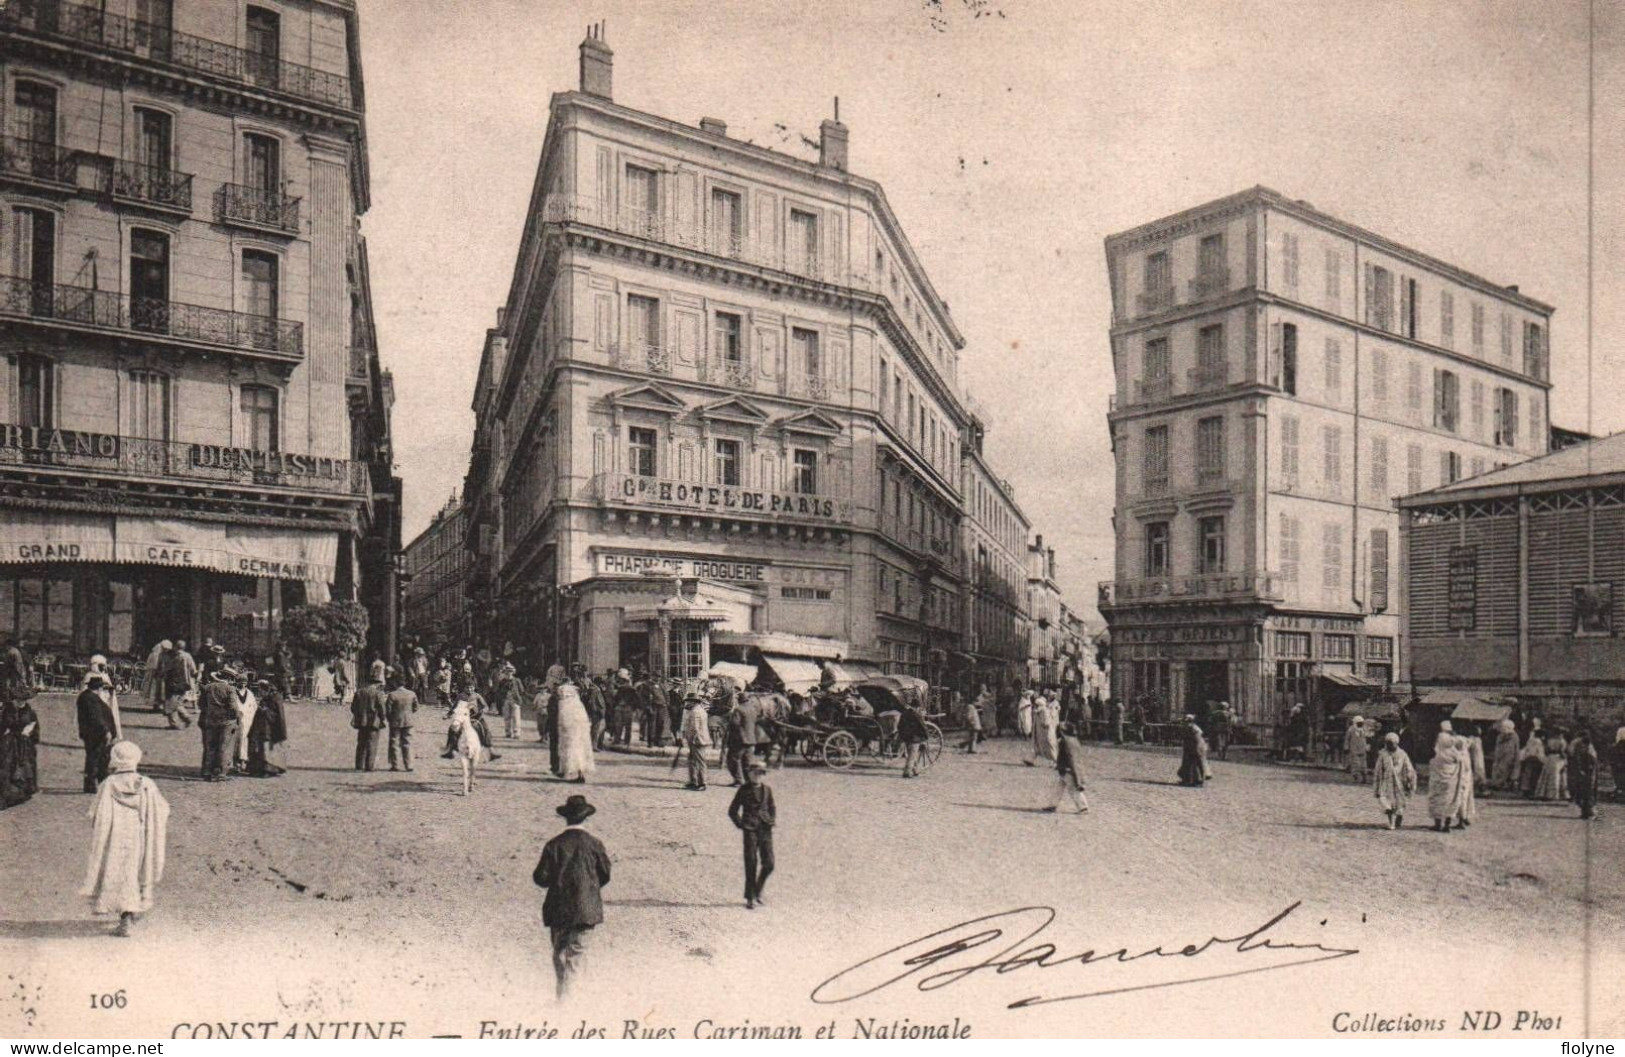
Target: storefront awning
743 674
1475 711
42 536
783 643
247 550
848 672
796 673
1349 679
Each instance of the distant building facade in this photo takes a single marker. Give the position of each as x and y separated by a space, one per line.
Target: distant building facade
1046 634
1515 583
436 611
194 424
1281 376
996 622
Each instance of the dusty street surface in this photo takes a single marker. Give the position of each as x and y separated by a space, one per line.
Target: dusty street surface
330 897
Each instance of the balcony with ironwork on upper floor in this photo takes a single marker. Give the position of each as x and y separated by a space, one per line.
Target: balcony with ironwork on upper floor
1155 299
51 167
89 26
75 308
643 357
1209 282
1202 587
257 208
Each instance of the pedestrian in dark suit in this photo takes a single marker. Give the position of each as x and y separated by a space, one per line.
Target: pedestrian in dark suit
401 707
217 720
753 812
574 868
97 730
369 713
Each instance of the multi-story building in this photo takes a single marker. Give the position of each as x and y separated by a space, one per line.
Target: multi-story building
1044 608
194 427
1513 582
1281 376
434 608
996 626
720 415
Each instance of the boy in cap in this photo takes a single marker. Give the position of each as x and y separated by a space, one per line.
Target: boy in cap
696 734
574 868
753 812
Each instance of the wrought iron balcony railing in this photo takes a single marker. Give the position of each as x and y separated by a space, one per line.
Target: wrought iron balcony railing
641 356
151 184
103 310
257 207
181 460
811 386
87 25
38 161
360 364
1249 586
1152 390
734 373
1210 283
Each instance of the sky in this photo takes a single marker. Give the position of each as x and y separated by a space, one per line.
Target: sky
1012 136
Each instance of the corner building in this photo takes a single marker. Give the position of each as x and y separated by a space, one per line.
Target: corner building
194 427
719 416
1282 376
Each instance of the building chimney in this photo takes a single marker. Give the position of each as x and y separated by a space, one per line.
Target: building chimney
832 141
597 63
715 126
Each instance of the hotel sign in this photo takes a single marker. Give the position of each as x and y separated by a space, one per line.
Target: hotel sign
691 497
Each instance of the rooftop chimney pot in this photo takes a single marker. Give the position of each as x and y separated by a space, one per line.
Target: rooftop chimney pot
832 145
597 63
715 126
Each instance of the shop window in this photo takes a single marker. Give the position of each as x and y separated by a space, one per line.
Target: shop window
1337 647
38 610
686 657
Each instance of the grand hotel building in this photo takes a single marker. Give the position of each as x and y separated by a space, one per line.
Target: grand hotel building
194 427
720 414
1282 376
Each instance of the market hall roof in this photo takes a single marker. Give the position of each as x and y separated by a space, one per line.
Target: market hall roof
1583 464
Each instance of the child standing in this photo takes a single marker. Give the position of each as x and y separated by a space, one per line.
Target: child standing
753 812
127 842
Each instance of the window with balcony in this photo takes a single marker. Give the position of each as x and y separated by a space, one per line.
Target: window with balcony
641 447
33 262
34 121
263 47
805 481
262 165
258 404
1446 399
726 462
1156 549
642 201
1506 418
1156 460
36 391
149 281
149 405
1158 281
1210 460
727 222
1210 533
152 178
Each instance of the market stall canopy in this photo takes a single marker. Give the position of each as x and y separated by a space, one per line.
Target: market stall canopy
1349 679
849 672
1448 698
796 673
1473 710
1379 709
743 674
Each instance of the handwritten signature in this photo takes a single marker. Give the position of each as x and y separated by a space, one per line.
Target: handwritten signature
954 954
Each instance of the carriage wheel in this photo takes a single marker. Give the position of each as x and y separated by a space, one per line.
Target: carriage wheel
809 747
933 743
840 750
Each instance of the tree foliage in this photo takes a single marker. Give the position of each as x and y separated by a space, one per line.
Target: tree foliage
320 632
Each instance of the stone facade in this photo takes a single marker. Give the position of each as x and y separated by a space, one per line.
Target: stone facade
434 608
185 319
1281 377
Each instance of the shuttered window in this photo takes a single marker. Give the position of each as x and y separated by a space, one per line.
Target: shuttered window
1331 563
1379 570
1334 369
1413 387
1289 260
1478 328
1447 319
1379 297
1291 545
1156 460
1334 279
1210 461
1478 411
1379 468
1379 376
1332 443
1446 399
1506 418
1413 469
1289 450
1534 351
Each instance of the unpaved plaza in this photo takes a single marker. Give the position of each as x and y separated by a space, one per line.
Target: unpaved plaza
353 903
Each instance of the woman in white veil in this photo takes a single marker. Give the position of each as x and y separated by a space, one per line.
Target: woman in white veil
575 735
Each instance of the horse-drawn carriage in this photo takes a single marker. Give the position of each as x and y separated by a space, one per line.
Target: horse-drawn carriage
836 733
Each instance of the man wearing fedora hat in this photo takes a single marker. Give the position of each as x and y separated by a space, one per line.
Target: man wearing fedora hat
217 720
753 812
97 727
574 868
